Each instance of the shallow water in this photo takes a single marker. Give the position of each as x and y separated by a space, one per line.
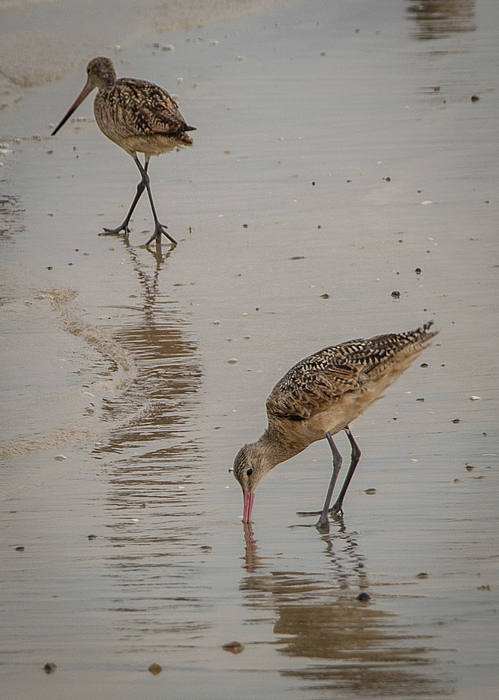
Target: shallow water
124 407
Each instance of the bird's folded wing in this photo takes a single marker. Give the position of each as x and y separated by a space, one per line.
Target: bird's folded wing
303 392
150 108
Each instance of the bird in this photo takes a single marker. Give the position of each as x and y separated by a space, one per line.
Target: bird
139 116
318 398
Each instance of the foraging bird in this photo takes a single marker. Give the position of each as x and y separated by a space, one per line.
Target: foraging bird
138 116
319 397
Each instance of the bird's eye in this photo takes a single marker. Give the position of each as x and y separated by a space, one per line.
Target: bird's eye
249 472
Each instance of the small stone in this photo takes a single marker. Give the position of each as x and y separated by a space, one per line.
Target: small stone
475 98
418 270
371 492
456 420
424 365
363 597
20 548
469 467
475 398
92 537
423 574
233 647
155 669
325 296
396 294
49 667
60 458
419 399
232 361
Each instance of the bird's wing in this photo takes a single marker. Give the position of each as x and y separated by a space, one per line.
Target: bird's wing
148 109
311 386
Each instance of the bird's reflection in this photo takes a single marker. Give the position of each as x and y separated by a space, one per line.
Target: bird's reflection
167 367
155 544
436 19
344 644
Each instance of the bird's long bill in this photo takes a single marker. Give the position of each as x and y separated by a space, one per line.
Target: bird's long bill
84 93
248 506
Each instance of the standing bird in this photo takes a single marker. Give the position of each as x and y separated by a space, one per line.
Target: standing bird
138 116
319 397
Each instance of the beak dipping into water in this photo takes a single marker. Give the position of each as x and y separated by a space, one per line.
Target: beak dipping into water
248 505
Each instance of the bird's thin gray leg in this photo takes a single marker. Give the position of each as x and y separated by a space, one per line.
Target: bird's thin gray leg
354 460
159 228
124 226
323 521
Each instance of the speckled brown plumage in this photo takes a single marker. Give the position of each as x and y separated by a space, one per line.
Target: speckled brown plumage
137 115
322 395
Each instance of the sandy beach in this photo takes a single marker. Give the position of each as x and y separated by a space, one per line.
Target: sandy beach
345 150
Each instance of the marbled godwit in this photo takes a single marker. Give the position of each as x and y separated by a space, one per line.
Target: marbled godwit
138 116
319 397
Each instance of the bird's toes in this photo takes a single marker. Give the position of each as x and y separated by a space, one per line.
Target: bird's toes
161 230
322 524
115 231
336 512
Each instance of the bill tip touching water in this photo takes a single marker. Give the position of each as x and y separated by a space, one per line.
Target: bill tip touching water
319 397
139 116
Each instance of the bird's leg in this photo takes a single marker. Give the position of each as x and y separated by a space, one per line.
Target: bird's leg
159 228
354 460
124 226
323 521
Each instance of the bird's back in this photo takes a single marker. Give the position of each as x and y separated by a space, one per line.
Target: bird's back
141 116
340 382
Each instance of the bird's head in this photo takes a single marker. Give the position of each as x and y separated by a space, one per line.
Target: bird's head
250 466
100 73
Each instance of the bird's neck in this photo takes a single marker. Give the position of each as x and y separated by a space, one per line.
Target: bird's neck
277 447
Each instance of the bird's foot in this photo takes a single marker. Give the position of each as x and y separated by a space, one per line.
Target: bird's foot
322 524
123 229
158 230
336 512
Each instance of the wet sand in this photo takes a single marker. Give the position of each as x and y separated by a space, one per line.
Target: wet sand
338 150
